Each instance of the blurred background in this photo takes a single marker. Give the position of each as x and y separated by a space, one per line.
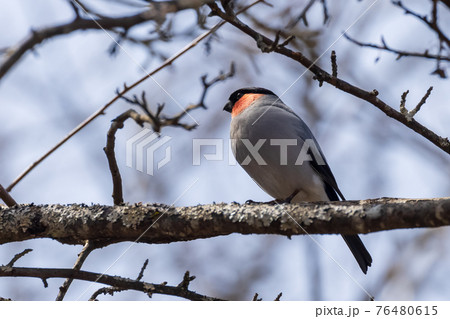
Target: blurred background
65 79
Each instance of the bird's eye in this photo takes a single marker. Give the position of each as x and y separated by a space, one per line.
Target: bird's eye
239 95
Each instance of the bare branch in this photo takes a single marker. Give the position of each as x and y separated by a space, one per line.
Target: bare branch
154 120
18 256
116 124
422 102
323 76
141 273
399 53
112 290
6 197
105 291
157 122
187 278
275 43
14 54
403 108
114 281
74 224
125 90
75 9
301 16
410 114
219 78
446 2
87 249
334 67
255 297
431 23
326 16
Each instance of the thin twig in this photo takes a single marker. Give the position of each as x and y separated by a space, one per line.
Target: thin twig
410 114
403 108
422 102
6 197
79 5
112 290
18 256
116 124
187 278
326 16
105 291
141 273
334 67
301 16
87 249
75 9
255 297
207 84
125 90
399 53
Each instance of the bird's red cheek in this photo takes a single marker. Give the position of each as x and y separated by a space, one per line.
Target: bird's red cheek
244 102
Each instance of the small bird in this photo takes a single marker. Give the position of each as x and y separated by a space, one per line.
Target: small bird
279 152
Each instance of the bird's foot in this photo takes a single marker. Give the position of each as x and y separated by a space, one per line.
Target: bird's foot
272 202
288 199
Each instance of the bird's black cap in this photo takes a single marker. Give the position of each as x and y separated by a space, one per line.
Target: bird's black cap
236 95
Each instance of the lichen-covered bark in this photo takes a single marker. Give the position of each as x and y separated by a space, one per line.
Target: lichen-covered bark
157 223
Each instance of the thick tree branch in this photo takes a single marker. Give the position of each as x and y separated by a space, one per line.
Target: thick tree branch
267 45
157 223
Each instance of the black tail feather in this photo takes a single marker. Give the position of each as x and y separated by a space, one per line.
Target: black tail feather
353 242
358 250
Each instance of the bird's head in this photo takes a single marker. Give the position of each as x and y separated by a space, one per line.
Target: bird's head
241 99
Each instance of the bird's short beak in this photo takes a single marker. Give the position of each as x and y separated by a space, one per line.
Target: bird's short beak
228 107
